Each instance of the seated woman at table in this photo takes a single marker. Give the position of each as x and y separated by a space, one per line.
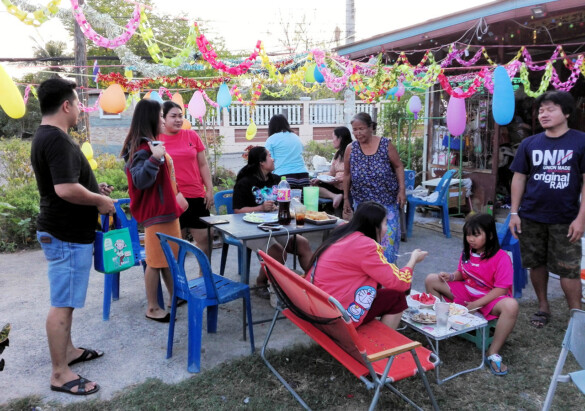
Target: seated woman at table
255 191
351 267
334 189
483 280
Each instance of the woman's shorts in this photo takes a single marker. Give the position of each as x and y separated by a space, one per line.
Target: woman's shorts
69 267
331 188
387 301
155 256
548 245
190 218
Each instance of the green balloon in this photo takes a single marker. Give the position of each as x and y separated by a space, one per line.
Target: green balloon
310 73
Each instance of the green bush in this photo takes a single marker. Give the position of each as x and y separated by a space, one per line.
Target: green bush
323 149
111 170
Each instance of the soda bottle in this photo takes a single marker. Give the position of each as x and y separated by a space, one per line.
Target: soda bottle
283 198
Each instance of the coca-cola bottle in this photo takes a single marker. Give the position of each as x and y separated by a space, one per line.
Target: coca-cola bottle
283 198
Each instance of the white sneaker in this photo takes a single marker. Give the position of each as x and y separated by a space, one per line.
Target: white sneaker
273 298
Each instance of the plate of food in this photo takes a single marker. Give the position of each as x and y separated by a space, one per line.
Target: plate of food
319 218
326 178
459 322
421 300
456 309
258 218
424 317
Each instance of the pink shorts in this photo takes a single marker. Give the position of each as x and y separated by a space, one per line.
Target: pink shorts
462 296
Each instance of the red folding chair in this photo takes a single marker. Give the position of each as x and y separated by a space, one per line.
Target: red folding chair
374 352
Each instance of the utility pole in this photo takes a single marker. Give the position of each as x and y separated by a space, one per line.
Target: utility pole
82 79
349 21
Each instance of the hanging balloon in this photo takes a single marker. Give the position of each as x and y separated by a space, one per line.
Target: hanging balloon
147 96
87 150
177 98
310 73
10 98
251 130
503 103
113 99
224 98
156 97
186 124
400 91
317 74
92 164
197 106
391 92
414 106
456 115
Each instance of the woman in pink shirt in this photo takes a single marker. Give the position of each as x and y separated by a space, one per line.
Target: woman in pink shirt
351 267
483 280
191 171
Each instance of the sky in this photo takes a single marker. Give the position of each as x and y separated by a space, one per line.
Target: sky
241 26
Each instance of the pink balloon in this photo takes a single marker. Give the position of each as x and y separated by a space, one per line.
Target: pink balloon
197 106
456 115
400 91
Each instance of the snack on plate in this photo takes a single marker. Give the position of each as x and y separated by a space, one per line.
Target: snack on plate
456 309
424 298
424 318
317 215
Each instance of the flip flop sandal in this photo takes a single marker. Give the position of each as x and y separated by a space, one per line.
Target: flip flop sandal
79 383
497 360
539 319
87 355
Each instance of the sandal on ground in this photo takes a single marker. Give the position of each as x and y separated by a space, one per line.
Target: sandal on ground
79 383
539 319
165 319
87 355
495 359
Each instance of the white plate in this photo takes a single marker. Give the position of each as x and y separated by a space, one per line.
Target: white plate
424 317
456 309
411 302
326 178
258 218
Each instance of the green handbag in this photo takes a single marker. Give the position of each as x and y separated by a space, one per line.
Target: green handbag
113 250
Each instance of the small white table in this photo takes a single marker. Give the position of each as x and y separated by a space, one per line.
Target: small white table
434 336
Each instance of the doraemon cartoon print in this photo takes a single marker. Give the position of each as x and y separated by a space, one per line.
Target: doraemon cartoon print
364 297
264 194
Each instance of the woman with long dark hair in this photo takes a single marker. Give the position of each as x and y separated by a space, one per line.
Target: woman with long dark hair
351 267
334 188
153 197
255 191
286 149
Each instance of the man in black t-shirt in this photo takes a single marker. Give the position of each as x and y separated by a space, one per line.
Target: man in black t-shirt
70 201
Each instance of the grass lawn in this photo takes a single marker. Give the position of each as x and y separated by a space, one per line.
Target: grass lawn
531 355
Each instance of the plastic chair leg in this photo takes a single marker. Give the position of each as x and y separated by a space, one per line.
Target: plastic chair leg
194 344
249 314
224 253
445 218
108 279
410 219
172 329
116 287
212 311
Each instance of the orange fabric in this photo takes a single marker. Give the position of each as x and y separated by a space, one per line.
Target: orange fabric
155 257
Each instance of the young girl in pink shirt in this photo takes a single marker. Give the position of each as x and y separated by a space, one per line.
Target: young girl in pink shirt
483 280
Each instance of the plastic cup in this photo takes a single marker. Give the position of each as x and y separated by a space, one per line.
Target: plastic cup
442 312
311 198
300 211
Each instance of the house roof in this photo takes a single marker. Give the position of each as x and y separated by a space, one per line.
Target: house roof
448 28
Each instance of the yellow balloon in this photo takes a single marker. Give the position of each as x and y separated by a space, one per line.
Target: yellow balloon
177 98
186 124
251 130
10 98
87 150
113 100
92 164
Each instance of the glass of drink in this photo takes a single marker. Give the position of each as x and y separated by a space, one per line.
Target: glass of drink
300 211
442 312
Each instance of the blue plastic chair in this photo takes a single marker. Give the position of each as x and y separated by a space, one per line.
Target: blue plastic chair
112 281
511 244
224 198
442 202
207 291
574 342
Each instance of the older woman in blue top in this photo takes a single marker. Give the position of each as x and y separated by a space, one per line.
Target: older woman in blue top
286 149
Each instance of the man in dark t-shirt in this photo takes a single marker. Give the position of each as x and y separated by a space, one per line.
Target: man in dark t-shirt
547 212
70 201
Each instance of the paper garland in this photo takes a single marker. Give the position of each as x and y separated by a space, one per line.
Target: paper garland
100 41
35 18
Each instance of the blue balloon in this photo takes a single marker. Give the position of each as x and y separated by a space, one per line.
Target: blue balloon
317 74
156 97
224 98
503 103
391 92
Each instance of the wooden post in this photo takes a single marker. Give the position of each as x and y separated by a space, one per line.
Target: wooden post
82 79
